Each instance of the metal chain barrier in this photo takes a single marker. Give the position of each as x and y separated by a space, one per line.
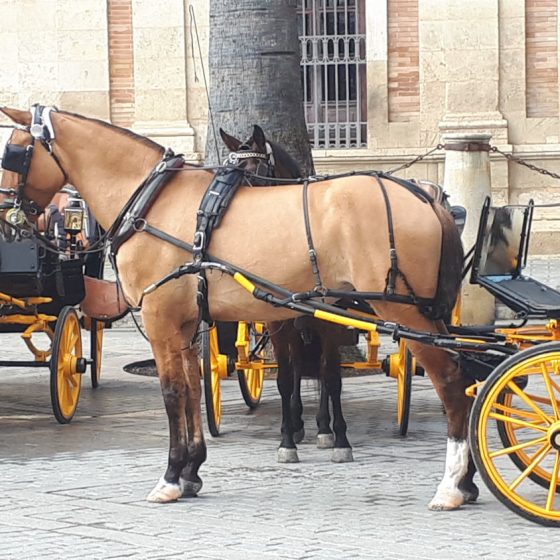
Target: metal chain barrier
520 161
415 160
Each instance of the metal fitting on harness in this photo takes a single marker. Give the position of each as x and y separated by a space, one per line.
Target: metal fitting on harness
199 241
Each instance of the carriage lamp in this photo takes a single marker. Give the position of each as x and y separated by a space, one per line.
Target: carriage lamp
73 219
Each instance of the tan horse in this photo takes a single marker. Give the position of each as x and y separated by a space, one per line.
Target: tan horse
262 232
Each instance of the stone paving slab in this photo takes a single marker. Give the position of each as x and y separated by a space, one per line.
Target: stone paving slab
77 491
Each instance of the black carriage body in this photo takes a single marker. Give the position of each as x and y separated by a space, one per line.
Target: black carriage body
500 257
28 269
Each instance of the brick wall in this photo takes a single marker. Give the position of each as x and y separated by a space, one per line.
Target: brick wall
541 58
121 62
403 66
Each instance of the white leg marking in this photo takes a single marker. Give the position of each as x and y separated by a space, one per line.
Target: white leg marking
448 495
164 492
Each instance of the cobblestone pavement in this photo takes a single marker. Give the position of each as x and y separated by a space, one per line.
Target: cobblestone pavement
77 491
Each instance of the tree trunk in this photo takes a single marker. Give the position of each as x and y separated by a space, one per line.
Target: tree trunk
254 61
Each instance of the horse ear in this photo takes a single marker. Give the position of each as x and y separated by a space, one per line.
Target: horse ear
259 138
231 142
19 117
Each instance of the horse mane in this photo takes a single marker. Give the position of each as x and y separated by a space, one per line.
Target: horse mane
284 159
119 129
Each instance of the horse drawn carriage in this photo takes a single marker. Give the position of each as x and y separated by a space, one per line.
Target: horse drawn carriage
394 261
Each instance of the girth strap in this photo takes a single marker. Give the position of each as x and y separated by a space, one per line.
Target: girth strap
212 207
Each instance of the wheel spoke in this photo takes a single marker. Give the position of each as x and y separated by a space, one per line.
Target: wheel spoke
553 483
523 396
516 421
550 390
514 448
531 467
517 411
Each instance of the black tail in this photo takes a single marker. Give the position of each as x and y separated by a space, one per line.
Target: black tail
450 267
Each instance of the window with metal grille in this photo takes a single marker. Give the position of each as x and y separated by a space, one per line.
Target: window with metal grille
333 63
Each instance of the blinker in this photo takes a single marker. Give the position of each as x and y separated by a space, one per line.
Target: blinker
16 158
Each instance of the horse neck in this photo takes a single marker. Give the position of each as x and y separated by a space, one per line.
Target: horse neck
104 164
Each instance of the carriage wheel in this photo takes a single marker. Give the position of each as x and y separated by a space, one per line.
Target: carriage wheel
404 390
96 350
401 366
523 396
253 337
211 362
66 365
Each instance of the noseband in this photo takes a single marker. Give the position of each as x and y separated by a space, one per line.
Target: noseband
18 158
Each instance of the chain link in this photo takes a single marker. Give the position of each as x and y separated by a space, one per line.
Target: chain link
415 160
520 161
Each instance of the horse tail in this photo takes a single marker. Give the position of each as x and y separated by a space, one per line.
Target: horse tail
450 267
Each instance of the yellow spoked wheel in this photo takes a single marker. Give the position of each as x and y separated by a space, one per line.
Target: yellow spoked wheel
515 433
96 350
214 366
401 367
66 365
252 339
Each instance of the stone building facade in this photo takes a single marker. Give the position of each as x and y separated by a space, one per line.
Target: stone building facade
431 68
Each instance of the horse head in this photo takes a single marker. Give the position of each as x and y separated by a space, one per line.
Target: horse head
29 165
260 156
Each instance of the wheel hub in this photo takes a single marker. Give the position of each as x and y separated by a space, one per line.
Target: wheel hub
553 434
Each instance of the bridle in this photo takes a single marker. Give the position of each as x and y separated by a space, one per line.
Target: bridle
18 158
265 161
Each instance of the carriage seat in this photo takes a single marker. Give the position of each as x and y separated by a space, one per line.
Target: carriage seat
500 257
524 295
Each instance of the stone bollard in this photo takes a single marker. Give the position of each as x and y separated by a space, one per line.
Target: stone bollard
467 181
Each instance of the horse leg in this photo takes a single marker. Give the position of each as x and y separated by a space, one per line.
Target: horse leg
287 451
296 405
467 486
330 372
450 386
196 446
167 353
325 437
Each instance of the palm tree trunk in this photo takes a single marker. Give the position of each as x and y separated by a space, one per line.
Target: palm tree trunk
255 78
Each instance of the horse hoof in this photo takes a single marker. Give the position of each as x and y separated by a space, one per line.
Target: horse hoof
165 492
287 455
447 500
191 488
470 494
342 455
325 441
299 435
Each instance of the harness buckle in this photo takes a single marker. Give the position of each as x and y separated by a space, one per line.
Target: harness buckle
199 240
161 166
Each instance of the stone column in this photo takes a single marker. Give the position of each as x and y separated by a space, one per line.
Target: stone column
467 181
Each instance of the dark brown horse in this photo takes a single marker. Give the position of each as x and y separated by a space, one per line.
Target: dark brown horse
304 347
263 232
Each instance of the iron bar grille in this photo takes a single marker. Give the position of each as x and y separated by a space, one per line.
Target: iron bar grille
333 63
